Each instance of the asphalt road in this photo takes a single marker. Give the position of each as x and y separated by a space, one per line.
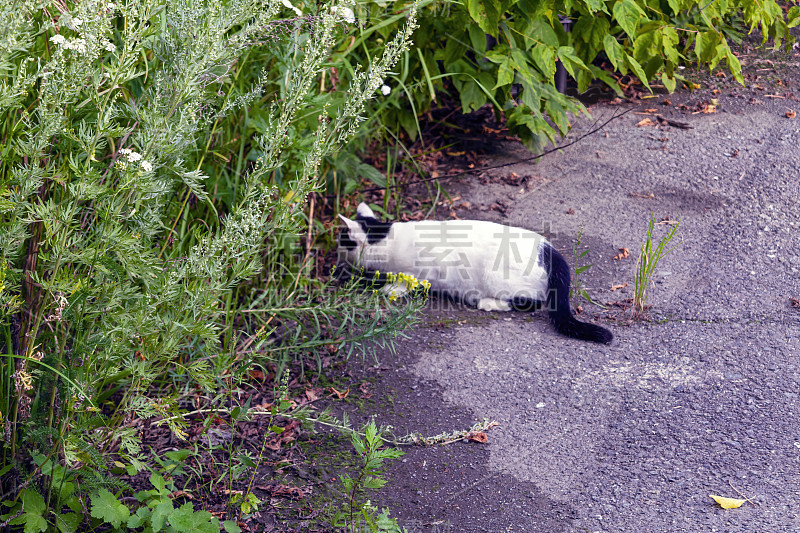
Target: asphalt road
701 398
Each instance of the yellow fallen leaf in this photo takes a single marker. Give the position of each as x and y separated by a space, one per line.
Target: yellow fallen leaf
727 503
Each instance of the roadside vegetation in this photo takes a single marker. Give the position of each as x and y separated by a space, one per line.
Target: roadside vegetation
170 171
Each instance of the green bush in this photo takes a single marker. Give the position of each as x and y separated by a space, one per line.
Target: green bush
514 70
136 201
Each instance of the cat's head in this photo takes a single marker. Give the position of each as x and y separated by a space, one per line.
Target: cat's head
366 231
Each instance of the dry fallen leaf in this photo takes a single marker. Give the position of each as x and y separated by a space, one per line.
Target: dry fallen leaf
624 253
791 113
339 395
795 303
645 122
257 375
651 110
366 390
313 394
707 108
478 437
617 287
647 196
727 503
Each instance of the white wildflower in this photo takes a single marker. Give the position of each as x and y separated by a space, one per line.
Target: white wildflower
288 4
79 45
111 5
76 22
147 166
134 156
57 39
109 46
345 12
385 90
125 151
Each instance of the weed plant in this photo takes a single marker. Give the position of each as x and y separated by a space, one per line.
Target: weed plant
648 262
156 155
359 514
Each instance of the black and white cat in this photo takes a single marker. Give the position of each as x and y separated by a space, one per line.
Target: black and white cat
486 265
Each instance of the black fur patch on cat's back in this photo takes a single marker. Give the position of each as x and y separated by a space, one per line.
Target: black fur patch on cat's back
375 229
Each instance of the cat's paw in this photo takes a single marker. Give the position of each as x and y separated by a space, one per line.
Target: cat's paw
491 304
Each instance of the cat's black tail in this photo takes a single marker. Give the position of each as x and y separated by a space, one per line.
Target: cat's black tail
558 281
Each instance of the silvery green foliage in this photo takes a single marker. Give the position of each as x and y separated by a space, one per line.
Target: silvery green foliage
103 104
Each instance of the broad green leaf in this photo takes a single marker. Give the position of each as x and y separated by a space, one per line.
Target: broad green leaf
570 61
628 14
385 523
505 73
231 527
704 46
793 17
614 52
375 176
107 508
158 481
140 517
538 9
558 115
160 515
606 78
478 39
544 58
543 32
734 66
68 522
669 38
647 44
596 5
675 5
486 13
34 523
600 28
530 97
584 79
186 520
719 54
653 66
498 54
669 82
472 96
33 502
34 507
454 50
638 70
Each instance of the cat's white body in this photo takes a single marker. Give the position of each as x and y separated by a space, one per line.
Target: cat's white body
487 265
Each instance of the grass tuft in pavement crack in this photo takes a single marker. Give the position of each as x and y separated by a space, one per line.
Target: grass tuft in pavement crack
648 262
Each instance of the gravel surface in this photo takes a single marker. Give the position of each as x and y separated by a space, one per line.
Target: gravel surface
701 398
